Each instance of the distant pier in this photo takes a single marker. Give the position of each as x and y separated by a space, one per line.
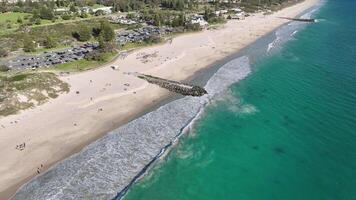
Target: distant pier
174 86
299 19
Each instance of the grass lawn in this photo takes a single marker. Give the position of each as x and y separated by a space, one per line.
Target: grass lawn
95 6
84 64
12 16
8 21
135 45
42 50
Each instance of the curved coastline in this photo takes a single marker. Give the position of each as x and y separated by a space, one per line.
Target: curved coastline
276 34
72 171
281 32
125 152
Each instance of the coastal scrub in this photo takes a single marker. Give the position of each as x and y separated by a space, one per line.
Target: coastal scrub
25 90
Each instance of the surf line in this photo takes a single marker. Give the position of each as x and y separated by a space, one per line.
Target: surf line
182 131
205 100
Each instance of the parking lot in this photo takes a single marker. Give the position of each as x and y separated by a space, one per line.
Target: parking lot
140 34
47 59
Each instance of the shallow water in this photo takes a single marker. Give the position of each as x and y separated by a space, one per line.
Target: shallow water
288 131
108 167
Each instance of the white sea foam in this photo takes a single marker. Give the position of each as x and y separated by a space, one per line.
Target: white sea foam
285 33
272 44
112 163
248 109
294 32
235 104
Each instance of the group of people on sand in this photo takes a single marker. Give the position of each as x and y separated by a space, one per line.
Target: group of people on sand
21 147
39 169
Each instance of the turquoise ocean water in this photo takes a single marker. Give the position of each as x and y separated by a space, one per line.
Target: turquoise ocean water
287 131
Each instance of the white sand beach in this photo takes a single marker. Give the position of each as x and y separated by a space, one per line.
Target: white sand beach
108 98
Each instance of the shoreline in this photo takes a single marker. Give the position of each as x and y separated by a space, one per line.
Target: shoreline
124 152
105 127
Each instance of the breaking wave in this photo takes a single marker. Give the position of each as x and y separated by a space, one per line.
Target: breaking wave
285 33
108 167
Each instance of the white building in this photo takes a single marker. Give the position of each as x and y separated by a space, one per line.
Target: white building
121 20
199 19
61 10
106 10
220 12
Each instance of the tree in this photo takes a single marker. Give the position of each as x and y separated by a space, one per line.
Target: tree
157 19
46 13
66 16
4 68
72 8
83 15
106 37
99 12
35 15
208 13
3 6
95 55
50 42
16 9
3 52
179 21
101 42
38 21
28 44
83 34
19 20
107 32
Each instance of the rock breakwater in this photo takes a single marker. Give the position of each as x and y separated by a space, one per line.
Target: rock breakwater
174 86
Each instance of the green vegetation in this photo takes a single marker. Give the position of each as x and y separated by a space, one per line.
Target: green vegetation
50 42
41 26
133 45
85 64
44 49
28 44
11 20
25 90
255 5
83 34
41 19
52 36
211 18
3 52
4 68
11 17
106 36
164 17
96 6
